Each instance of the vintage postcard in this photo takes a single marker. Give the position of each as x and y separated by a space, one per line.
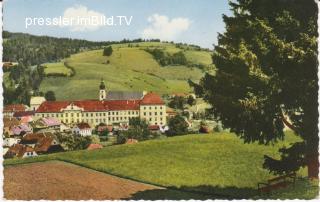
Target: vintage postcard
160 99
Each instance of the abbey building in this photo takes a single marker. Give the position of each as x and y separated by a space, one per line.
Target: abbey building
112 107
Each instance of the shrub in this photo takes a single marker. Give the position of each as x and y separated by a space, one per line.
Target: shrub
107 51
177 126
121 139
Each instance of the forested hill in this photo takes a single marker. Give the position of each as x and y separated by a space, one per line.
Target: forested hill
33 50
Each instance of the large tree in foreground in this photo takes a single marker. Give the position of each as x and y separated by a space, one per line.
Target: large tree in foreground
266 78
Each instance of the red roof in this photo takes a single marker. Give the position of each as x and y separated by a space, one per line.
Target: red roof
90 105
153 127
123 104
151 99
87 105
22 114
83 125
14 108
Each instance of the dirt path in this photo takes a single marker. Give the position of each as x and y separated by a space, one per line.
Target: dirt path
58 180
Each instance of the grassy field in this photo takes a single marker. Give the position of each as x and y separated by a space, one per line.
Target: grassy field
56 68
219 164
128 68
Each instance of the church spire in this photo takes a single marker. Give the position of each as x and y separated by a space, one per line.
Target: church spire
102 91
102 85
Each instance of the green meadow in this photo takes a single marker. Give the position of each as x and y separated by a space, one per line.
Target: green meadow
56 68
128 68
218 164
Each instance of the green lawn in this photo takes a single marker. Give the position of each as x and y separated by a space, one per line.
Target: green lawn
219 164
129 68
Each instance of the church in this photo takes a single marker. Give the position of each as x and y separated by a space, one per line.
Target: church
112 108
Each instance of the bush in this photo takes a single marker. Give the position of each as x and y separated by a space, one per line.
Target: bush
74 142
177 102
177 126
107 51
121 139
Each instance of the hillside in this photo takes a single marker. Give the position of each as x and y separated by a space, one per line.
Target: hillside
129 68
216 163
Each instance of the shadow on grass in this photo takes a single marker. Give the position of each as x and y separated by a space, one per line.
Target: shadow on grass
198 193
303 189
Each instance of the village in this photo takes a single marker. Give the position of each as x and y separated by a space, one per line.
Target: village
43 127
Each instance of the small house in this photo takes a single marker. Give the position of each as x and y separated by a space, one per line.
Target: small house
8 142
154 128
9 110
82 129
25 116
20 151
21 129
35 102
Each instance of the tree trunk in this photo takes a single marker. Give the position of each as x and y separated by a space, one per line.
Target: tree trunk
313 166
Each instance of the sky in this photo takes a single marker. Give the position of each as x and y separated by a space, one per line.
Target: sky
188 21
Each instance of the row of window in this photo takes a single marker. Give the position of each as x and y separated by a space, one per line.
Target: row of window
150 113
99 120
87 114
152 107
155 119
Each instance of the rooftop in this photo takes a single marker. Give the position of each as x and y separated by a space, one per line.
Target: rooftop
151 99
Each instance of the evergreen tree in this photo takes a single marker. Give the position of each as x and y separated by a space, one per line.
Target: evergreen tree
266 71
50 96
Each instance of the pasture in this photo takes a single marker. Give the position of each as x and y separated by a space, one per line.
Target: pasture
127 69
219 164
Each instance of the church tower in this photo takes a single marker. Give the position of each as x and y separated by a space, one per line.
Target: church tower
102 92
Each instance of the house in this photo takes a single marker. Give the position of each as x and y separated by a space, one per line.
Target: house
9 110
42 143
94 146
21 129
20 151
48 145
51 122
46 124
8 124
35 102
170 112
27 152
154 128
8 142
24 117
82 129
101 129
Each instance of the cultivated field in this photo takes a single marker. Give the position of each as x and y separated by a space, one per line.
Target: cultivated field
56 180
128 68
219 164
